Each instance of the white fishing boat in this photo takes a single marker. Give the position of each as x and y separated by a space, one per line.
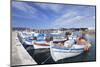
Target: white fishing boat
40 44
36 44
58 37
38 41
28 41
24 37
25 34
59 52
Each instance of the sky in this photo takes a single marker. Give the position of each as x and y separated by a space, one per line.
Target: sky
50 15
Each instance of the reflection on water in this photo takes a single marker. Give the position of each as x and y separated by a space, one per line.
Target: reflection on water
43 56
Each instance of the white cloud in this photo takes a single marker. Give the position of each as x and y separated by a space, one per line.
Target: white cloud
64 19
19 5
72 19
94 17
54 7
24 7
29 11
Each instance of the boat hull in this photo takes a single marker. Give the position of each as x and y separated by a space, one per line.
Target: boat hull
41 44
40 47
36 46
59 53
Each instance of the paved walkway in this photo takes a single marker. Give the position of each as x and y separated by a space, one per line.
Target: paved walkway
19 55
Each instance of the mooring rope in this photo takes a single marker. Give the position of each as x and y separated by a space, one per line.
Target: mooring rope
45 60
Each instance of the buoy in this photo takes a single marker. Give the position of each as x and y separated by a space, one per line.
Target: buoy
87 47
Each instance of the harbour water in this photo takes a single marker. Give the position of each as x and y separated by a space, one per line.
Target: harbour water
42 56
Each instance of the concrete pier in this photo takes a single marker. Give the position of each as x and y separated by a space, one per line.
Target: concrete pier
19 55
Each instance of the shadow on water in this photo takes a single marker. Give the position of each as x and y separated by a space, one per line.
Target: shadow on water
84 57
41 56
